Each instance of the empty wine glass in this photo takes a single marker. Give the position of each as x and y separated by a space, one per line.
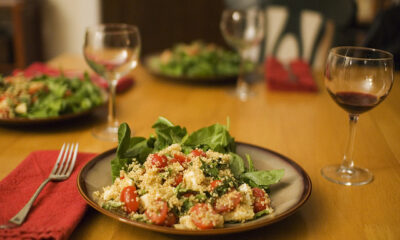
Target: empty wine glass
358 79
243 30
112 51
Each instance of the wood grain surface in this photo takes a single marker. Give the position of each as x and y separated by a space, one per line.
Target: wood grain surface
309 128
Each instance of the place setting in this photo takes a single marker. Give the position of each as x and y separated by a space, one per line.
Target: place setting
257 156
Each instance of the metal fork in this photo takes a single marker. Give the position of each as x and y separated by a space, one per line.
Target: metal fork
61 171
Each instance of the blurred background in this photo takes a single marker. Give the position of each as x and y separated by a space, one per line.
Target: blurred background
39 30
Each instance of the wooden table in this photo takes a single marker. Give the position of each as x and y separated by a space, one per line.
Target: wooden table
309 128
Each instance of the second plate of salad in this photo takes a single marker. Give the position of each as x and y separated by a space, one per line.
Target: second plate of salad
195 62
44 98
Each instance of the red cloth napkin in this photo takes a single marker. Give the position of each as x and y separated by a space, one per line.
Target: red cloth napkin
297 77
58 208
38 69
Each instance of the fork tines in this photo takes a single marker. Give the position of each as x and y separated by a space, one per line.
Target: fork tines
66 160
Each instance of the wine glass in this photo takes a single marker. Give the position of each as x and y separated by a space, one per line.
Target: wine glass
358 79
243 30
112 51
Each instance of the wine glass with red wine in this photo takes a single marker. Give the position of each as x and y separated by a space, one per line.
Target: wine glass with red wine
358 79
112 51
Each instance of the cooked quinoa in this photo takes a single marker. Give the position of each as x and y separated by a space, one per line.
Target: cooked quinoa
186 191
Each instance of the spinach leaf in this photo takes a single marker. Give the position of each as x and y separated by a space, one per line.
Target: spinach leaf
210 170
186 206
135 147
236 164
250 164
124 136
118 164
261 213
129 148
167 133
215 137
263 178
225 186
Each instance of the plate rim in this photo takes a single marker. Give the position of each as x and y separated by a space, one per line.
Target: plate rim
217 231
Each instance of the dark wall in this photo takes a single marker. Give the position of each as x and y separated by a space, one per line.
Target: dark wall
163 23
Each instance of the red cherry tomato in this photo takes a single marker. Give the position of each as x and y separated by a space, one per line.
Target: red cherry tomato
158 217
188 194
259 199
159 161
130 198
229 202
178 179
181 158
199 152
215 184
170 220
197 213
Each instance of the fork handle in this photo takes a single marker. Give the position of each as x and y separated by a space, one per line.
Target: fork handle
21 215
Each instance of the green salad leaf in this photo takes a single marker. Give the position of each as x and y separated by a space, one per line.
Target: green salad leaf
167 133
215 137
236 165
46 96
263 178
197 59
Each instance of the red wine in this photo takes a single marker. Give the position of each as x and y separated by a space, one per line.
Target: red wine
355 102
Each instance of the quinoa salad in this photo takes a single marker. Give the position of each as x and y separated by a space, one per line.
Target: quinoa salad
180 181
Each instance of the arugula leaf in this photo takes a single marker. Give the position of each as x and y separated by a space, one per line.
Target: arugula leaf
215 137
264 178
236 164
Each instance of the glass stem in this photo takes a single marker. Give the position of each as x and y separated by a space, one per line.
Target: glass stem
242 86
111 103
348 164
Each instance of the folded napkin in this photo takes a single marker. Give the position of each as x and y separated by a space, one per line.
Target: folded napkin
58 208
38 69
296 77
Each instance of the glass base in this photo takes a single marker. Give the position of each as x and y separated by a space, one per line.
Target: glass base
106 132
243 95
347 176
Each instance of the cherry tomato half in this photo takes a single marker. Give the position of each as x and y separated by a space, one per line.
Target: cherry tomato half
198 152
228 202
130 198
178 179
215 184
259 199
181 158
198 211
158 217
170 220
159 161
